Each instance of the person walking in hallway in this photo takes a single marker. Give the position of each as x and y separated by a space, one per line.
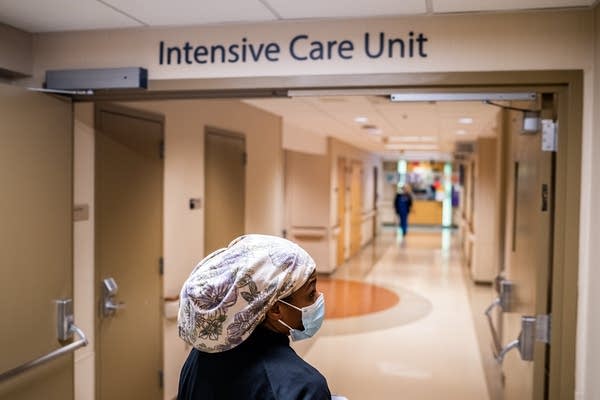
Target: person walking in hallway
237 309
402 205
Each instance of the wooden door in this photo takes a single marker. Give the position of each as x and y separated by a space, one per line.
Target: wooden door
225 188
341 210
355 207
129 209
36 239
529 260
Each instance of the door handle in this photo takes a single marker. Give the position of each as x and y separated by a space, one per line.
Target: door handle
524 343
504 288
110 290
109 306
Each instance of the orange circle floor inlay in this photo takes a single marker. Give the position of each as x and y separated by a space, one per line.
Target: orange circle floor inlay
350 298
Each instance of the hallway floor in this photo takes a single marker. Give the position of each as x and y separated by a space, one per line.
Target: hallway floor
416 338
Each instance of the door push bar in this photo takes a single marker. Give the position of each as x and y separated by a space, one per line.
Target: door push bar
504 288
66 328
533 329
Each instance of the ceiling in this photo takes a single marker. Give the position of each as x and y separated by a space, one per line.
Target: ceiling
428 128
68 15
421 129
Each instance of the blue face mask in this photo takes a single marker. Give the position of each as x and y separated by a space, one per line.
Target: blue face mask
312 318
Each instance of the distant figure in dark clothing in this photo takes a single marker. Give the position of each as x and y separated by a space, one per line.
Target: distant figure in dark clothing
402 205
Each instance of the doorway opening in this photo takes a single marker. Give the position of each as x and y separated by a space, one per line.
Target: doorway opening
569 113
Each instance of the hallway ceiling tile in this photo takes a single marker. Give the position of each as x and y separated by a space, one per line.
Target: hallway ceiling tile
193 12
62 15
346 8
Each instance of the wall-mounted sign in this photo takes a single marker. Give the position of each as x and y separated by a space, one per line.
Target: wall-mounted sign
301 47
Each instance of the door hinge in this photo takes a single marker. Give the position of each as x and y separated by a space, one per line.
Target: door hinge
543 327
161 266
161 149
161 379
549 135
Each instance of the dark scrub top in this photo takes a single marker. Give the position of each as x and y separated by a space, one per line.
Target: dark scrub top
263 367
403 203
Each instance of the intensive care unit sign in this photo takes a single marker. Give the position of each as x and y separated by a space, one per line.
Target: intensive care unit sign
300 48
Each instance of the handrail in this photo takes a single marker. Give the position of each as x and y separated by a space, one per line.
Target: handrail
309 232
48 357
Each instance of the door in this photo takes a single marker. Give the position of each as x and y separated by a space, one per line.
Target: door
375 200
341 210
36 210
355 207
225 188
129 209
529 259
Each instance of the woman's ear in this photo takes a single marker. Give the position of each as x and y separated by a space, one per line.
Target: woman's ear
274 313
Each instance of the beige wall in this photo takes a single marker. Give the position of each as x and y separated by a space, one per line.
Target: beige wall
16 51
302 140
541 40
83 248
588 351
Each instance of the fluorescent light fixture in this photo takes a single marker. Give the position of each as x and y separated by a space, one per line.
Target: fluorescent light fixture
410 146
409 139
406 96
361 120
497 96
417 155
465 120
461 132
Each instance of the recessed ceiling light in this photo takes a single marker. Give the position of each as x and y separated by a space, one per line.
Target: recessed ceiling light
461 132
361 120
465 120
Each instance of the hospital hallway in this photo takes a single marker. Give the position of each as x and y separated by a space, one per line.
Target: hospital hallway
399 323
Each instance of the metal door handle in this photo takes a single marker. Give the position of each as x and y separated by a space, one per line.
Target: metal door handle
496 340
504 288
110 290
65 331
525 343
110 306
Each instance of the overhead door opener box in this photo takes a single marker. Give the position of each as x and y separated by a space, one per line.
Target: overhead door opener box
97 79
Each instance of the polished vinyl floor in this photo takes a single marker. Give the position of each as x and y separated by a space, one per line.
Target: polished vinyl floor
399 323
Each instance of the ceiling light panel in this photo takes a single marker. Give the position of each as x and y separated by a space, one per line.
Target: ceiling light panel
194 12
346 8
414 139
62 15
410 146
447 6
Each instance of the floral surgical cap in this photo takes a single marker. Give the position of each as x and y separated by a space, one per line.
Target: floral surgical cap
229 292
